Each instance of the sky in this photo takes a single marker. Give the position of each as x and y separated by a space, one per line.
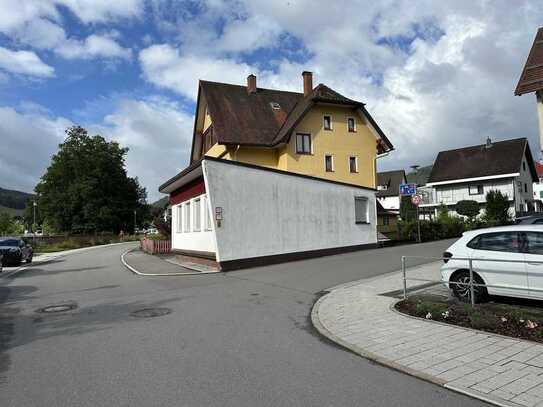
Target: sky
435 75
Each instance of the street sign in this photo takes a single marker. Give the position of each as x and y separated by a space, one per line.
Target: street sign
408 189
416 200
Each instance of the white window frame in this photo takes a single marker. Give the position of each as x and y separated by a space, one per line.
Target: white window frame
301 133
187 217
207 215
332 162
180 217
197 215
358 220
354 126
324 122
355 165
477 187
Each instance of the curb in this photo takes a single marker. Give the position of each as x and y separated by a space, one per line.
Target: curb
393 365
139 273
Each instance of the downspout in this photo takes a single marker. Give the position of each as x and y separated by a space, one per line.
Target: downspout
539 97
236 152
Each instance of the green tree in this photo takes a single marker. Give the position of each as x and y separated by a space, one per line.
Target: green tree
86 188
497 209
8 225
467 208
408 210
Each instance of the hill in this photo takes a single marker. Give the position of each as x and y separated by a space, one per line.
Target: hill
13 202
161 203
420 177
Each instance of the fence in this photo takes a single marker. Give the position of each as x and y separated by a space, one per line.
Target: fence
156 246
471 283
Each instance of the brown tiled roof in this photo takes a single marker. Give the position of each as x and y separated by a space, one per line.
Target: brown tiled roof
531 78
539 169
503 157
392 179
246 118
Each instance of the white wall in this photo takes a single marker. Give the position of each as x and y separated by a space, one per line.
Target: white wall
203 240
525 178
450 194
390 202
267 213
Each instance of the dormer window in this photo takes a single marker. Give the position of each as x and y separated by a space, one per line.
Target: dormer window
327 122
275 105
351 124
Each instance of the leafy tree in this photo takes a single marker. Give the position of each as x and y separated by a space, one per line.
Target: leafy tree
86 188
8 225
497 208
407 209
467 208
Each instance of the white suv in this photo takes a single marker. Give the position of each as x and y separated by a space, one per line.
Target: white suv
522 277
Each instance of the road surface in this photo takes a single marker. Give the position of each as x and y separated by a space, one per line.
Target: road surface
235 339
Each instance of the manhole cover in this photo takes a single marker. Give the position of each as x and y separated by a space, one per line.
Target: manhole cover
57 308
151 312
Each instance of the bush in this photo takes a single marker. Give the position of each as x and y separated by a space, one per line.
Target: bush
467 208
431 229
497 209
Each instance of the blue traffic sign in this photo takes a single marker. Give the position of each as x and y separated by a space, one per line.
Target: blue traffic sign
408 189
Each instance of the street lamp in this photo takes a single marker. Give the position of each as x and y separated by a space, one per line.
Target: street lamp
35 204
134 221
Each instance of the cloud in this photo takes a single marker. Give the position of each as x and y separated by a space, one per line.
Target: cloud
24 63
91 47
164 66
157 132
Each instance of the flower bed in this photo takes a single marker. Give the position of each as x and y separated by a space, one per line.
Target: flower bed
504 319
154 246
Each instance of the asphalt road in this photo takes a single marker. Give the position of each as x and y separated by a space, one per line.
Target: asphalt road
237 339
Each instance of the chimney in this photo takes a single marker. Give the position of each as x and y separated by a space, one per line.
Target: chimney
251 84
308 82
488 143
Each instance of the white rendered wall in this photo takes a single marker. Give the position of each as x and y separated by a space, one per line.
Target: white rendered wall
390 202
268 213
201 241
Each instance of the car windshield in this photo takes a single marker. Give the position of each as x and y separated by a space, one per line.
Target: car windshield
9 242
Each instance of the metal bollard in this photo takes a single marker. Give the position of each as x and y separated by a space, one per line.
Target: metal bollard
471 288
404 279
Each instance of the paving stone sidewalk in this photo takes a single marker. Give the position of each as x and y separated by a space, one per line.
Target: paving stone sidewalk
500 370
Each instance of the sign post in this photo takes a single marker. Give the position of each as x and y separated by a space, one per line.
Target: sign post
417 200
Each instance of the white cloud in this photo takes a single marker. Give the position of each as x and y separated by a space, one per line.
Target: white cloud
92 47
93 11
24 63
164 66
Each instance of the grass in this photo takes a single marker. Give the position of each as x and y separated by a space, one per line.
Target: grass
70 244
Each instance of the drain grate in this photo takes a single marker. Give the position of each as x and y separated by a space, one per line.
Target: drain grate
57 308
151 312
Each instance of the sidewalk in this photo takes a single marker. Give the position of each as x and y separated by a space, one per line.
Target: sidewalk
145 264
503 371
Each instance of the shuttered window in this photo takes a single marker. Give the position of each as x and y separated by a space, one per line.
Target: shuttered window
361 209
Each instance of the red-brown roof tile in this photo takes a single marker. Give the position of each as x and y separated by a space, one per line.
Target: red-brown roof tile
531 79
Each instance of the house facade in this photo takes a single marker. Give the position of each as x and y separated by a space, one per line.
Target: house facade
276 175
470 173
538 187
388 200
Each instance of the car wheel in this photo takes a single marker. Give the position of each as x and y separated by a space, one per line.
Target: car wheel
29 260
463 292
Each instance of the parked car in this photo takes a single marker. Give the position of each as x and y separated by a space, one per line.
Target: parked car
14 251
530 220
508 259
151 231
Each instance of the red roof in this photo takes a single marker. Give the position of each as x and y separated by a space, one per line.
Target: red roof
539 169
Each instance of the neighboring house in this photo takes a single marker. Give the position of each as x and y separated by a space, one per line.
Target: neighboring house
388 189
387 223
538 187
276 175
470 173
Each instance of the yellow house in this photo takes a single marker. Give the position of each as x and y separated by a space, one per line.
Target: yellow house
276 176
319 133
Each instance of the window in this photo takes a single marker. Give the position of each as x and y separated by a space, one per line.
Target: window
187 217
351 124
179 213
386 220
525 188
328 163
275 105
353 164
360 209
475 189
207 216
519 186
498 242
524 166
197 215
303 143
327 122
534 243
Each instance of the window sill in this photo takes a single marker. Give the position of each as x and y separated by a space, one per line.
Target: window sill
299 153
324 128
362 223
352 131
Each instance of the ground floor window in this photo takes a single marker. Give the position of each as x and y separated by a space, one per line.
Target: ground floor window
361 209
187 216
197 215
386 220
207 215
179 214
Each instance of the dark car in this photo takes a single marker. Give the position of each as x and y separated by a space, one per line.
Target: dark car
14 251
530 220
